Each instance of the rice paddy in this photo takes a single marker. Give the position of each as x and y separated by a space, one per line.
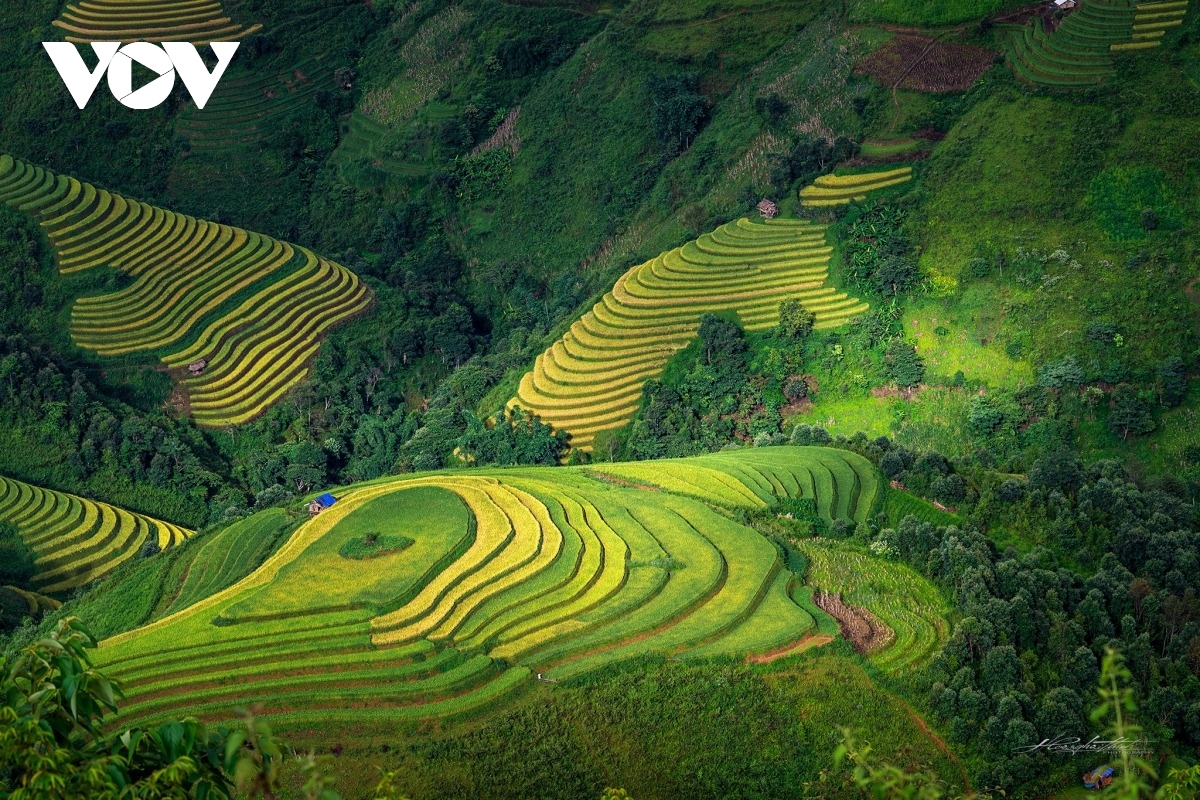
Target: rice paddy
512 574
591 379
197 21
842 189
237 316
77 540
1078 52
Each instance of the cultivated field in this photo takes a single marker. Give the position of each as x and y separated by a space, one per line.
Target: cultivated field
910 607
551 572
840 190
1078 52
245 107
77 540
197 21
252 307
591 379
924 64
1150 22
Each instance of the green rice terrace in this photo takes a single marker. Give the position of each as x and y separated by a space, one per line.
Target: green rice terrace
236 315
197 21
1080 51
591 379
512 576
244 106
839 189
77 540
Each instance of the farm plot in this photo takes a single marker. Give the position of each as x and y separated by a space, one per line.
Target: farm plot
1078 52
237 316
510 573
842 189
197 21
924 64
1151 21
77 540
591 379
893 595
244 107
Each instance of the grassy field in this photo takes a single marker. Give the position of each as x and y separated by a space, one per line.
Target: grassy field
591 379
251 308
511 573
78 540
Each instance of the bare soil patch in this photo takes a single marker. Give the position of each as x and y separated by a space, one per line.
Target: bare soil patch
923 64
861 628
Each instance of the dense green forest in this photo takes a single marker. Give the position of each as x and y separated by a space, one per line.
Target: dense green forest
1022 378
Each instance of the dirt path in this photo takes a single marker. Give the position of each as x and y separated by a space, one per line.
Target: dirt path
938 740
806 642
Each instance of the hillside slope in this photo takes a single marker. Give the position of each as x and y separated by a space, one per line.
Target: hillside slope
242 313
591 379
456 588
78 540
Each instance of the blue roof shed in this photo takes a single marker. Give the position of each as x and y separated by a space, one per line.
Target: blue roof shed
326 500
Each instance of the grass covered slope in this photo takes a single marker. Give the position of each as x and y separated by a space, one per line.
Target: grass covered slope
591 379
252 307
198 21
77 540
510 572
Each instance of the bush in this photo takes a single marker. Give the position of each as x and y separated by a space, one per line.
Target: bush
902 365
17 558
373 545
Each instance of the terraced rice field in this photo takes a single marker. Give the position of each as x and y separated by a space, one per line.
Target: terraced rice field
908 604
1151 21
1078 52
77 540
840 190
253 308
197 21
362 143
244 107
591 379
511 574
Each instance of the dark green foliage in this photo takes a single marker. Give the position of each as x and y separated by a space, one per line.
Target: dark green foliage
878 253
373 545
795 321
677 109
51 711
1131 412
708 395
1059 469
1062 373
1172 382
16 557
57 429
513 436
902 365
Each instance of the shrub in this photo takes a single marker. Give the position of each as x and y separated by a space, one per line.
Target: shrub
795 388
17 558
902 364
373 545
